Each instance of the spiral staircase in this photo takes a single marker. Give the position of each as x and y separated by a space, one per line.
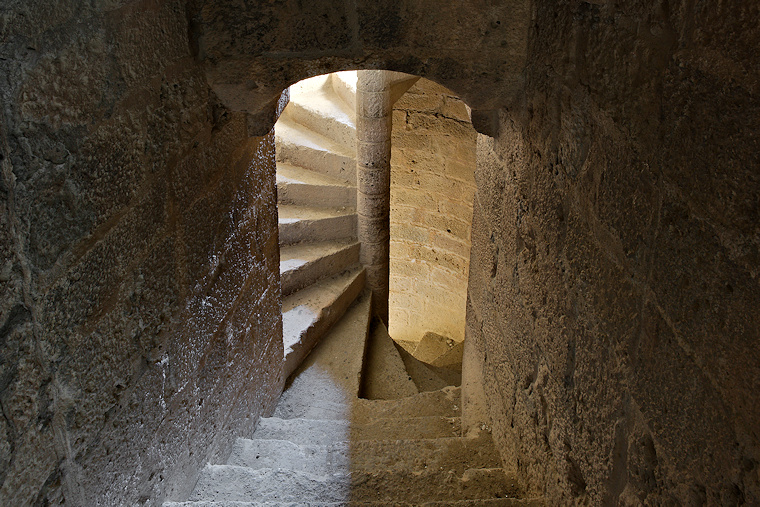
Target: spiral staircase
362 421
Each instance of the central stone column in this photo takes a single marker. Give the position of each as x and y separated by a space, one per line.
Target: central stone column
373 179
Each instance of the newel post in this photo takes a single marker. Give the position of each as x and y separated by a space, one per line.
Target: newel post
373 179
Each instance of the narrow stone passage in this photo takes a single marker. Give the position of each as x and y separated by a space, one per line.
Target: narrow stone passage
325 446
363 420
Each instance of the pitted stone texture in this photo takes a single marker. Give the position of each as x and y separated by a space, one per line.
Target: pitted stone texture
139 324
613 277
475 48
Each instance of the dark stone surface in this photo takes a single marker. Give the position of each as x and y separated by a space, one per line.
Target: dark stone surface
133 209
477 49
614 273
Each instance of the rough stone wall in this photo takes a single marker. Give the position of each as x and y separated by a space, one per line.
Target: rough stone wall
139 315
252 50
432 186
614 277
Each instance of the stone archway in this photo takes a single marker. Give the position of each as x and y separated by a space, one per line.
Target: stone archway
476 49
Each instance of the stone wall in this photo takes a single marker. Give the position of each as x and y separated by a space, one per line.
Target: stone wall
251 51
614 277
432 185
139 311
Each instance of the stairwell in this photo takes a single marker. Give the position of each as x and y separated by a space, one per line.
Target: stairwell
362 421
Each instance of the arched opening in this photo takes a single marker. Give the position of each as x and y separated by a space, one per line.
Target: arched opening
429 193
364 406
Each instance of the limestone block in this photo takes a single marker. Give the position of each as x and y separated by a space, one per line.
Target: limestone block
372 180
373 130
375 104
376 154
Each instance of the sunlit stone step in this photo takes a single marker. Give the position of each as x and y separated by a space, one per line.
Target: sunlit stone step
304 263
324 112
300 186
325 432
455 454
234 483
490 502
309 313
300 146
303 223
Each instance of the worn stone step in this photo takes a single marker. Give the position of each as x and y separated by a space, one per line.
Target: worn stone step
452 359
344 85
300 186
325 432
303 264
300 146
303 223
450 454
309 313
234 483
426 376
313 405
445 402
491 502
385 376
324 112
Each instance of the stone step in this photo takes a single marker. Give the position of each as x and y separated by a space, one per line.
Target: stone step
309 313
344 85
324 112
452 359
300 186
455 454
385 376
445 403
300 146
325 432
304 223
432 346
426 376
234 483
303 264
490 502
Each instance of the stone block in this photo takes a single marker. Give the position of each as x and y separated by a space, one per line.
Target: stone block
703 310
372 180
139 29
372 204
379 153
373 130
373 104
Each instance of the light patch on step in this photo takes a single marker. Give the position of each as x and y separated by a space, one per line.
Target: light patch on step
285 179
294 322
291 264
349 78
287 220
